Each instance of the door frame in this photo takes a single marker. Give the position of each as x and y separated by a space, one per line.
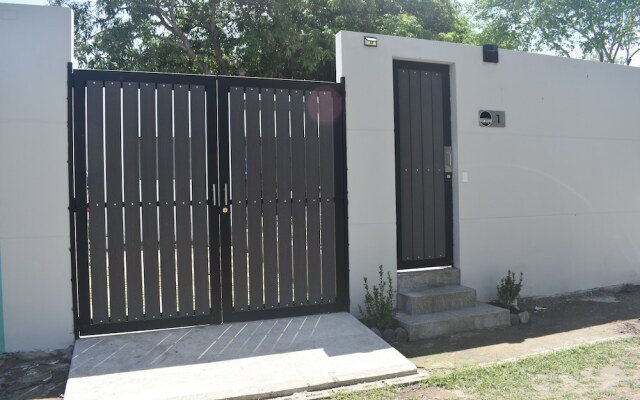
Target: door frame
447 260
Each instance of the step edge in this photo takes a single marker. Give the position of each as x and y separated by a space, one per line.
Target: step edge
477 310
435 291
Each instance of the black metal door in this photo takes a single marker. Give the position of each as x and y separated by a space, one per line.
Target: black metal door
423 164
197 199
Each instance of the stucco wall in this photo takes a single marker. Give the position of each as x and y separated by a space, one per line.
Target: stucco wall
35 46
555 194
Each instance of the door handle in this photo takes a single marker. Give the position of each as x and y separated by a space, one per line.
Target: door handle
448 160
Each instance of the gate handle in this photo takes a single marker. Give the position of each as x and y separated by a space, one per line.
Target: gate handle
225 208
215 195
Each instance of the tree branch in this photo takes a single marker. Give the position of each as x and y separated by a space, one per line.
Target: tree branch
171 24
223 66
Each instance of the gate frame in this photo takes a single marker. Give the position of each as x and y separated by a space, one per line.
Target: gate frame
448 187
219 238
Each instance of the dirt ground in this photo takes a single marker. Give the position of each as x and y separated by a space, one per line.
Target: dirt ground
614 312
556 322
36 375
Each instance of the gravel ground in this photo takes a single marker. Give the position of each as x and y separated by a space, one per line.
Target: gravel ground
34 375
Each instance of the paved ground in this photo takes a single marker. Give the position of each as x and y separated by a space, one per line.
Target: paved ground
240 360
566 321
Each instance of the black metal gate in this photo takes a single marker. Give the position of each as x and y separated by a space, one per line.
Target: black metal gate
200 199
423 164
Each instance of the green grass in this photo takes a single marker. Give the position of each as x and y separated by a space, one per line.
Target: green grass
565 374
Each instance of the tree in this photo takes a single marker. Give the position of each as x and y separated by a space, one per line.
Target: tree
607 30
272 38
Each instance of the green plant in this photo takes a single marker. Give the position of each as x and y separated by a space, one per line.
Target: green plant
509 289
378 302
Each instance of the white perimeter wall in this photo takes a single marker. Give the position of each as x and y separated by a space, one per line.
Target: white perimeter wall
555 194
35 46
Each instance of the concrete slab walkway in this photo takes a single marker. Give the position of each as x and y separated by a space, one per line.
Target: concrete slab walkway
240 360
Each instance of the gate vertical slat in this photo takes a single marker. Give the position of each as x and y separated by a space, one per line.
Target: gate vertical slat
199 199
254 198
312 155
166 199
238 198
81 210
404 138
270 233
327 192
427 164
95 173
438 161
131 165
417 200
183 200
113 167
299 198
148 178
283 143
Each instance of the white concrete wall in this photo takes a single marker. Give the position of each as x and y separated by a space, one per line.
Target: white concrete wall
35 46
555 194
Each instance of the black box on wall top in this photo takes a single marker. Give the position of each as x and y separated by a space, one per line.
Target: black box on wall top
490 53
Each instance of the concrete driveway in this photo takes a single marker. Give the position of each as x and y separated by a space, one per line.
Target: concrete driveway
246 360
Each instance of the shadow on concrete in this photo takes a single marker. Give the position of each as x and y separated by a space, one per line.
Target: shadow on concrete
561 314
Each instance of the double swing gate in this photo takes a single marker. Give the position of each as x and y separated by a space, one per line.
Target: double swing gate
201 199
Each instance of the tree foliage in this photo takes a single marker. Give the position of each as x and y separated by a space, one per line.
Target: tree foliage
277 38
606 30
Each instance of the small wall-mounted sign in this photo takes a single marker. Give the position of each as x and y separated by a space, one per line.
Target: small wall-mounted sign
491 119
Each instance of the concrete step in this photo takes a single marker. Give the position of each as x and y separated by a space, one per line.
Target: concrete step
436 299
428 277
480 316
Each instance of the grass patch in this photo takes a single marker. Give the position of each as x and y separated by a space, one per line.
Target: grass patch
574 373
383 393
545 376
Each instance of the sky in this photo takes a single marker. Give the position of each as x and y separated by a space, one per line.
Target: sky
635 62
33 2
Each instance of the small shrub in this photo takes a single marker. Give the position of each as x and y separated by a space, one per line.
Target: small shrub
509 289
378 302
